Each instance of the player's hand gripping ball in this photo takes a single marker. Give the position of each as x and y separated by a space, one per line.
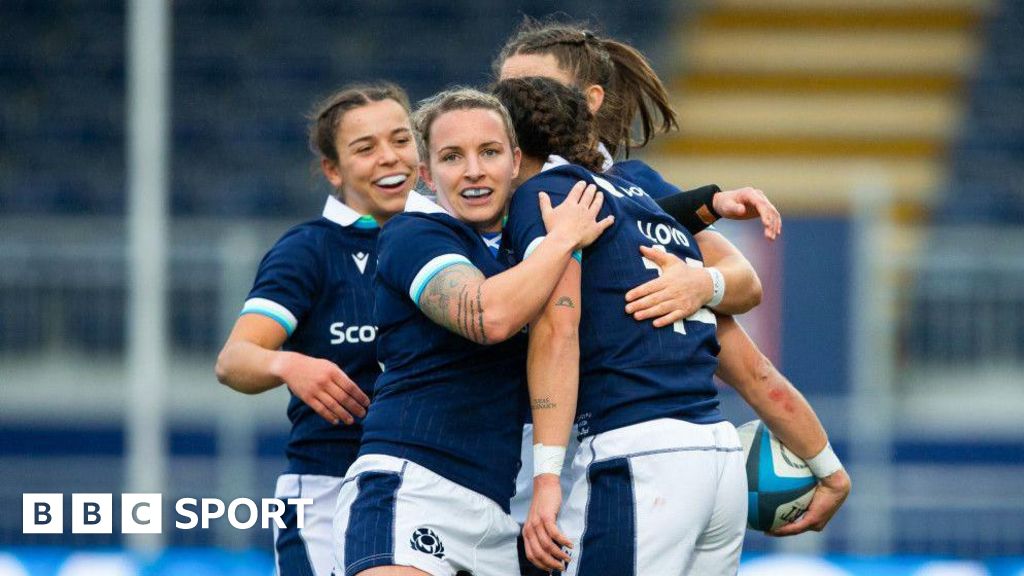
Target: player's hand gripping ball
779 483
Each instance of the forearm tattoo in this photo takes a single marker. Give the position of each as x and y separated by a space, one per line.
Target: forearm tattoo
565 301
451 300
542 403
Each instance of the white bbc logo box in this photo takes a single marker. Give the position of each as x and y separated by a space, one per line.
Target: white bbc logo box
91 513
42 513
143 513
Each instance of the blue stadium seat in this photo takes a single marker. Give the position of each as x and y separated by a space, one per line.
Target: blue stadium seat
988 159
245 73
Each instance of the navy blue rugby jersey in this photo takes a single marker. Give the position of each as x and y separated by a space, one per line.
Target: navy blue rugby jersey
646 178
317 282
444 402
630 372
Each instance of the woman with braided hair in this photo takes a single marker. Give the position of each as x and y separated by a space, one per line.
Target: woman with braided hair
430 489
621 88
657 463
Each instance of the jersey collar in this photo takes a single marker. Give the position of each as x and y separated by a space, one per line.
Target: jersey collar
553 161
556 160
417 202
338 212
607 161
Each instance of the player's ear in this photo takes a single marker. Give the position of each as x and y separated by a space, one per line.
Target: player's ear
517 158
331 172
595 97
425 176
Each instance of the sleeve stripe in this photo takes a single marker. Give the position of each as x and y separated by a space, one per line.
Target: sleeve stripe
271 310
430 269
577 255
533 246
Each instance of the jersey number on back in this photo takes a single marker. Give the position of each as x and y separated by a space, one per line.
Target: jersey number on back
701 315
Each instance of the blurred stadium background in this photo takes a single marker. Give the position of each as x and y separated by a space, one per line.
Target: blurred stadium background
889 132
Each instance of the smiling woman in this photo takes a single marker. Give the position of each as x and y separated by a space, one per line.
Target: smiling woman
430 490
472 159
378 158
472 170
294 329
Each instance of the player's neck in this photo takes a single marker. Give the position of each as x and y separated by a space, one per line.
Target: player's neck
528 168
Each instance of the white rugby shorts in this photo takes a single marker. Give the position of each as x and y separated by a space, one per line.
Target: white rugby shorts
663 497
394 512
307 551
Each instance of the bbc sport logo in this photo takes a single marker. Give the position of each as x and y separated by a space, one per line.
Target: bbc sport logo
143 513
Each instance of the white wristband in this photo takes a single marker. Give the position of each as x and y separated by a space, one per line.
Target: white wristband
717 286
825 464
548 459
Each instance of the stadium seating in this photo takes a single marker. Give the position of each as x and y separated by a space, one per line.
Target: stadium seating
807 98
244 76
988 158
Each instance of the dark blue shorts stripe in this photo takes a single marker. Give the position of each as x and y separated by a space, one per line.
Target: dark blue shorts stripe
292 556
370 535
608 545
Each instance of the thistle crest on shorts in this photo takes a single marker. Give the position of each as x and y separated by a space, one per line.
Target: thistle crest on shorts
424 540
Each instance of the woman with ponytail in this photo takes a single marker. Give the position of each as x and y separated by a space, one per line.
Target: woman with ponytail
621 88
619 84
658 479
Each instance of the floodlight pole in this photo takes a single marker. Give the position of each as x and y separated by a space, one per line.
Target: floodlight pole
873 344
147 63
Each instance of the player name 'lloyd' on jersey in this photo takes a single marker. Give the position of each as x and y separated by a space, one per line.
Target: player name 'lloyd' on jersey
630 371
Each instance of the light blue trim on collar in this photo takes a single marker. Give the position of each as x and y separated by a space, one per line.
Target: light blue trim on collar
365 223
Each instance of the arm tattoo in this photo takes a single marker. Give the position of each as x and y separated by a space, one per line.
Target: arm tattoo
480 316
565 301
447 301
462 318
542 403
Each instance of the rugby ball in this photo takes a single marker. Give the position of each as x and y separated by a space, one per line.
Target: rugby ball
779 483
